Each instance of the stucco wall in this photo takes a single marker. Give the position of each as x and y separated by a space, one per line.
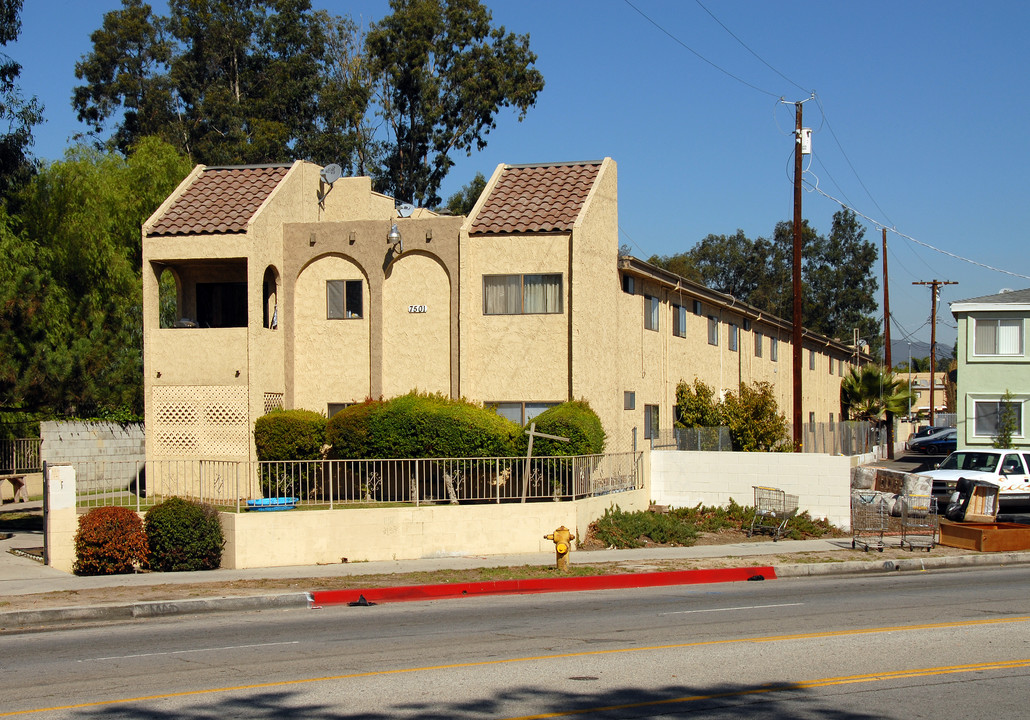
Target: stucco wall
821 482
274 539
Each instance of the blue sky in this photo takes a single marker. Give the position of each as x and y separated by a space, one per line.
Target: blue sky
926 105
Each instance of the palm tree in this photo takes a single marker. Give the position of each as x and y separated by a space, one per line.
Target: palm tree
870 392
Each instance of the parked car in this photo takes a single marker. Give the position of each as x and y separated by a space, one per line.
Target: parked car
1005 468
940 444
923 433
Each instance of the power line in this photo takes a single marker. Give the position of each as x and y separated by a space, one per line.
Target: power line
697 54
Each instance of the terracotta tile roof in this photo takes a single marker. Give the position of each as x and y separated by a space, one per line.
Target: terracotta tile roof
220 200
537 198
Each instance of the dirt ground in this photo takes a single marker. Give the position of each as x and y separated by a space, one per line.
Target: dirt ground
580 560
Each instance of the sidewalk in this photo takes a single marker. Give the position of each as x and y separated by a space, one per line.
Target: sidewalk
24 576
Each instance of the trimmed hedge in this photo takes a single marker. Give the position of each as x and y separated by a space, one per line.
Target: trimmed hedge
109 541
184 535
574 420
419 425
290 435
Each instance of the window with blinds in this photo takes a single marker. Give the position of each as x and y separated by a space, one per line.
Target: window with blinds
998 336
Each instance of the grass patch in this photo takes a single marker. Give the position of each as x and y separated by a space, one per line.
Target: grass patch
22 521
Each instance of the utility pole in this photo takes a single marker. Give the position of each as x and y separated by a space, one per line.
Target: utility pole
796 337
888 368
935 292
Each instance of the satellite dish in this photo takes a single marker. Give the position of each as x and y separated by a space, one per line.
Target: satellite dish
331 173
405 209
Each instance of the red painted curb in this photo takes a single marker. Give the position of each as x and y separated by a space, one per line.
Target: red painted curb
538 585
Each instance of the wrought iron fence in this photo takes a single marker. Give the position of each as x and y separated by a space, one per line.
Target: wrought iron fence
20 455
229 485
840 438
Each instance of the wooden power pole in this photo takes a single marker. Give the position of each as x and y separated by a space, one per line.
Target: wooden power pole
796 338
888 368
935 292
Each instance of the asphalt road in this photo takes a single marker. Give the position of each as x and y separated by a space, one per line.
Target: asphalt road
936 645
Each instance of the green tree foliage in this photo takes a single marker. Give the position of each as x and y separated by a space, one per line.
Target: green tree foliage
70 283
837 272
462 202
442 74
17 113
696 406
751 414
290 435
870 392
754 420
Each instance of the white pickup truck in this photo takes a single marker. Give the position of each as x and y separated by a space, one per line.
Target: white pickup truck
1005 468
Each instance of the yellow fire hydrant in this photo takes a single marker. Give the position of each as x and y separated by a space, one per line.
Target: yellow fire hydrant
562 544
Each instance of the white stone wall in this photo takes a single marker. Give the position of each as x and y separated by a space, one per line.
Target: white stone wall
97 449
821 482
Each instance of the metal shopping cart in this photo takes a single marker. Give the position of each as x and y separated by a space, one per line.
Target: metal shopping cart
868 520
919 522
773 508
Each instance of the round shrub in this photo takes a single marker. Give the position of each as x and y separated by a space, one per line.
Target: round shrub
419 425
184 535
109 541
574 420
290 435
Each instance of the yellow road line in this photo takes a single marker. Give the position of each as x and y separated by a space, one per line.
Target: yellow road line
482 663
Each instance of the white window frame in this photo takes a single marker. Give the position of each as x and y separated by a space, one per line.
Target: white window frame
733 337
713 330
758 344
679 321
978 418
997 325
774 349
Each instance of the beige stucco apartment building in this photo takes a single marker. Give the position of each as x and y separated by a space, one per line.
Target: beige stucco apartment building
283 290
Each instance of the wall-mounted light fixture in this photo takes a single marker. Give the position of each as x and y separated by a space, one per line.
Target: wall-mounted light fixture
394 239
352 237
429 235
311 240
159 373
237 373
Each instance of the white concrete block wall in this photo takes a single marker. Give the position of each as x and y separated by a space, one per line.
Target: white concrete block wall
104 450
821 482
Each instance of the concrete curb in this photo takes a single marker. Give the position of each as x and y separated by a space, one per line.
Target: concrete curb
49 619
46 619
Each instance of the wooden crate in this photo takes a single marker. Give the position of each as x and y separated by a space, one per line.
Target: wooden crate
985 537
983 505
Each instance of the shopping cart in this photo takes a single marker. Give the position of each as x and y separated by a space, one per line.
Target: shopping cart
773 508
868 520
919 521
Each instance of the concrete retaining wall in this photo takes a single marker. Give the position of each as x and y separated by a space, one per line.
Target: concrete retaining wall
821 482
309 537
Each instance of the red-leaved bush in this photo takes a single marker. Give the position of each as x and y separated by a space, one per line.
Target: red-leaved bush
110 541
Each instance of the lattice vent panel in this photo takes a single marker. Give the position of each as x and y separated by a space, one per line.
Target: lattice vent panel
273 401
203 421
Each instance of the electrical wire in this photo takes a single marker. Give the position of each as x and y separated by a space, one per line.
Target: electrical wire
745 46
697 54
897 232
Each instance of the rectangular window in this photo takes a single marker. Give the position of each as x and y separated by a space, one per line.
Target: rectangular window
987 417
650 312
522 294
811 359
831 364
831 422
713 330
629 400
697 308
343 299
336 407
650 421
811 421
519 413
774 350
840 367
731 338
758 344
679 321
628 284
997 336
